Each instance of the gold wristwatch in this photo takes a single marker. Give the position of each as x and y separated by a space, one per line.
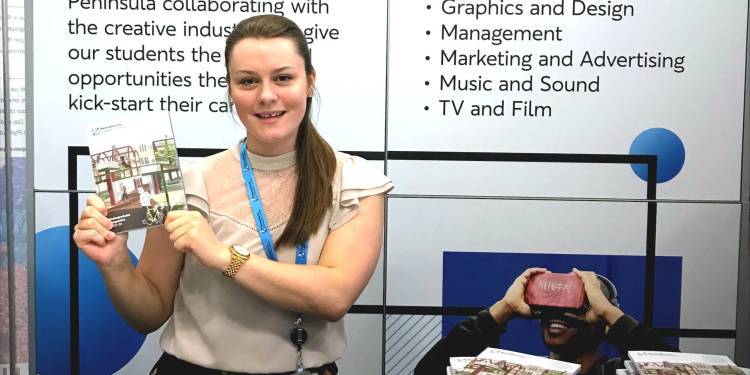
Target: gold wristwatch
239 256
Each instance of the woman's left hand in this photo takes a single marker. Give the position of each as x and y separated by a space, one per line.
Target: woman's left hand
190 233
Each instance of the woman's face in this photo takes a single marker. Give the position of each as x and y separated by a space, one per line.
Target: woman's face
269 87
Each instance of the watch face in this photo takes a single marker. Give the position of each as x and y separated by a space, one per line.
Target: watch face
241 250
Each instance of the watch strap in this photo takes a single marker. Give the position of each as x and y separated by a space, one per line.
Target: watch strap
236 261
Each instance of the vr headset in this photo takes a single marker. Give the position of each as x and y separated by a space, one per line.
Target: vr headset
555 294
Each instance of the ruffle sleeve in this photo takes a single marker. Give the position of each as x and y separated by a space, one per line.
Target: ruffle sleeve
359 178
195 188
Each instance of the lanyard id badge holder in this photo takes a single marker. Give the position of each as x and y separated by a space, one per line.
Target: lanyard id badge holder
298 336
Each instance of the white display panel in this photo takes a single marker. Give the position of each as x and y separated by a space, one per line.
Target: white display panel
706 236
700 100
349 107
363 345
516 179
708 346
407 339
420 230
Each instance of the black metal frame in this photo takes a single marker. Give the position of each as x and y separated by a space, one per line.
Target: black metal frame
650 160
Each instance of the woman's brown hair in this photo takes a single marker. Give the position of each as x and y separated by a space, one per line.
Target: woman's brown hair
316 161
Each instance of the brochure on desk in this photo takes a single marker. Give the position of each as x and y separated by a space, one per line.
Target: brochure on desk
669 363
498 361
136 169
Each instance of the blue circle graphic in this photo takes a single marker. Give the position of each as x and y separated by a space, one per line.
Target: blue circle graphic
106 342
667 147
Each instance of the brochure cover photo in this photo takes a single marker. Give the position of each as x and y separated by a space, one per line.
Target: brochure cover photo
136 170
668 363
505 362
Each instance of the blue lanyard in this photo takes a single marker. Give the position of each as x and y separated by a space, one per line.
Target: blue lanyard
259 214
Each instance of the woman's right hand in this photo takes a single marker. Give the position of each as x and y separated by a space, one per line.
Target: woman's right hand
94 237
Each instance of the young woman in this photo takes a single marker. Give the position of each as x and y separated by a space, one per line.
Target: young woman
282 235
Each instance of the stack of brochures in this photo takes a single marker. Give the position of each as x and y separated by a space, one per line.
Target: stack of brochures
668 363
498 361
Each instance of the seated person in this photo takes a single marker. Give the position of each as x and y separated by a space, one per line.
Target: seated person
570 338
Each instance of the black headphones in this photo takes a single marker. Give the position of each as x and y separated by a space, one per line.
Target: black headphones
609 290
